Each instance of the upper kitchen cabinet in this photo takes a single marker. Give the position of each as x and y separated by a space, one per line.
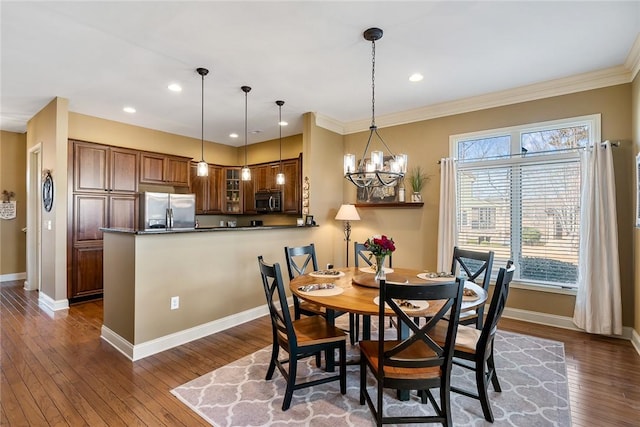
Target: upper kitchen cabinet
164 169
292 189
208 189
232 196
100 168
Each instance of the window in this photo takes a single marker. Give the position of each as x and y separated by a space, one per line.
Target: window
519 195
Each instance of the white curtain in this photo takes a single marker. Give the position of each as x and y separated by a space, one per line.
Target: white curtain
598 303
447 224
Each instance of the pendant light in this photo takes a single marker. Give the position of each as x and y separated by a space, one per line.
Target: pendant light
374 172
246 172
203 167
280 175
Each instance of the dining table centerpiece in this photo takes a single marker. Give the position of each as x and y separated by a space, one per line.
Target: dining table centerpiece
380 246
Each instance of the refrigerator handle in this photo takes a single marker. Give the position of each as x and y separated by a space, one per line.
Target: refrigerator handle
169 221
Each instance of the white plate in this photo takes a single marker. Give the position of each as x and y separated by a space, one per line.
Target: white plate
371 270
470 298
321 274
425 276
422 305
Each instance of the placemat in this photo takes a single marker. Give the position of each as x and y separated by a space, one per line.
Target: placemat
369 280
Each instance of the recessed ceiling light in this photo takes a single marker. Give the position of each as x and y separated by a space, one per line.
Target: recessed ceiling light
283 123
175 87
416 77
129 110
233 135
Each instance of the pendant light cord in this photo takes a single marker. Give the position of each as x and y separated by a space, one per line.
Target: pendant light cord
373 84
280 126
245 128
202 126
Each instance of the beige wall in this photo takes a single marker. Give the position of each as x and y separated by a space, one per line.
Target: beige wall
415 230
635 109
13 171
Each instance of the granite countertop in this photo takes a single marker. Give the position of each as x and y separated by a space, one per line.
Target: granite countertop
199 229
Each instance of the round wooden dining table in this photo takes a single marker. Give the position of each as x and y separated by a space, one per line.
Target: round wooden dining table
355 290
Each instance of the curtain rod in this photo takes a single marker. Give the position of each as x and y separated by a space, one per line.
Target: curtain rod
524 153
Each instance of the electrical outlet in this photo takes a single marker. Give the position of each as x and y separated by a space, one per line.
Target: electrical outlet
329 266
175 303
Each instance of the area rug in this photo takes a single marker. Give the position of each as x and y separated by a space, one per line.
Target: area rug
531 370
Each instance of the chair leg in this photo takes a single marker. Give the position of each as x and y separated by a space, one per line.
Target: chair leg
291 381
483 395
492 372
272 363
363 378
445 405
343 367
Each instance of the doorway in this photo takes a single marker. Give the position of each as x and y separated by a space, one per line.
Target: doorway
34 219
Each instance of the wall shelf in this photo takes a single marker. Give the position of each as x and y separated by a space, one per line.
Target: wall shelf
390 205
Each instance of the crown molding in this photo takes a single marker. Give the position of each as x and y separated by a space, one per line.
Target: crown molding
581 82
633 59
578 83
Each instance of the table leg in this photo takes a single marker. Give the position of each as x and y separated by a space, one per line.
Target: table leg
330 356
366 327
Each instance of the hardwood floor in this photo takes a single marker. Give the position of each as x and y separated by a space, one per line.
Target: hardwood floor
57 371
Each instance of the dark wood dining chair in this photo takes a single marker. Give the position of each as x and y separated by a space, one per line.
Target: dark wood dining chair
476 265
417 362
362 254
476 346
299 259
301 338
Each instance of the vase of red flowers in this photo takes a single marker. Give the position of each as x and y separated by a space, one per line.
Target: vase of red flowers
380 247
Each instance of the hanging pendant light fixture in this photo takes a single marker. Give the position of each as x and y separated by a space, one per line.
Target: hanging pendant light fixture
374 172
246 172
203 167
280 175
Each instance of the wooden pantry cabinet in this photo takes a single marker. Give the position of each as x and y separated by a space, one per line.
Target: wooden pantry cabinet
103 194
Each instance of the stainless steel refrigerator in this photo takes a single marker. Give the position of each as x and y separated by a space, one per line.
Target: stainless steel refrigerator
168 211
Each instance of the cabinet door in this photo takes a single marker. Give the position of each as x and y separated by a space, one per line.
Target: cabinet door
123 211
90 214
152 168
123 169
249 192
272 171
291 193
87 271
90 167
199 185
260 179
177 171
215 184
232 203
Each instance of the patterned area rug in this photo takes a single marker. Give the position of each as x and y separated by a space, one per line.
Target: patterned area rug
531 370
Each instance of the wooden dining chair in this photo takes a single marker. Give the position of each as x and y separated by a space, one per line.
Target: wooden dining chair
301 338
299 259
417 362
477 267
476 346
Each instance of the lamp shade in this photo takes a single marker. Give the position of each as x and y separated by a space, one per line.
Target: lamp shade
348 213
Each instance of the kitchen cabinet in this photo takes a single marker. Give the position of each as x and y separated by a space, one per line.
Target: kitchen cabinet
207 189
100 168
164 169
104 185
249 192
292 191
232 203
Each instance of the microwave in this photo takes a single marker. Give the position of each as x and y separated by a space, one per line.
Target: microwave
268 201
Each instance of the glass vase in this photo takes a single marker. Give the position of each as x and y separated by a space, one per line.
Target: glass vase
380 273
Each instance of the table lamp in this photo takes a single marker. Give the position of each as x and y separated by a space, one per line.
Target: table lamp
347 213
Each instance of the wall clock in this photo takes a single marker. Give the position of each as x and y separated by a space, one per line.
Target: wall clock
47 192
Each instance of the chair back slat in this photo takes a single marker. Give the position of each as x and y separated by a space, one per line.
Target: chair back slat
363 254
419 350
272 283
298 259
497 305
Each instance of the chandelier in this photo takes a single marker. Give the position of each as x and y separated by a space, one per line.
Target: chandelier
378 170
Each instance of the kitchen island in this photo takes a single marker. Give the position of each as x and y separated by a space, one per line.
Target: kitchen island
210 274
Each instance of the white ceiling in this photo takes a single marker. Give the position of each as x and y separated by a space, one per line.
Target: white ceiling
102 56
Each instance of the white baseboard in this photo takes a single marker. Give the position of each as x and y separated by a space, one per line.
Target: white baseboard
140 351
564 322
48 303
13 276
635 340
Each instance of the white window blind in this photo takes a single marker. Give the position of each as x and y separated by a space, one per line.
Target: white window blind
519 196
